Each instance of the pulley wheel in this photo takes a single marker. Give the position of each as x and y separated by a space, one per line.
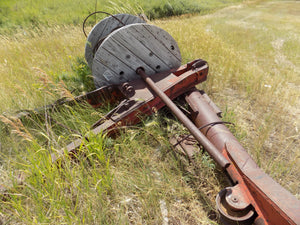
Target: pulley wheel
231 216
102 29
131 47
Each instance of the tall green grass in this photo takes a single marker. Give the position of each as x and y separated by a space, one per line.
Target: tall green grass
254 78
31 14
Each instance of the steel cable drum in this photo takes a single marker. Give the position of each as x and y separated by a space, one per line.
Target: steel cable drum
131 47
102 29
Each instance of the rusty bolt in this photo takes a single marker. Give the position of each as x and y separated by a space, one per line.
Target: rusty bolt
235 199
127 90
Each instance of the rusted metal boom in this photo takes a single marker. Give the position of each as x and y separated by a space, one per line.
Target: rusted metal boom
116 54
210 148
144 49
255 197
142 102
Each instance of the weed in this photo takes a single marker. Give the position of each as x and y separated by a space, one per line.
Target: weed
81 80
124 181
17 15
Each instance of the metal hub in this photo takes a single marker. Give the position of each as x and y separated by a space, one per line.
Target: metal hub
233 208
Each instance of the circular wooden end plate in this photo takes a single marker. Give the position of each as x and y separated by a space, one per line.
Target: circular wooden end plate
104 28
131 47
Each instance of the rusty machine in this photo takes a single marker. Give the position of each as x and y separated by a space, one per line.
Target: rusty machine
138 65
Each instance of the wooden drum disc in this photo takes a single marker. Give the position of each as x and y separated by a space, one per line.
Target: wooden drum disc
102 29
131 47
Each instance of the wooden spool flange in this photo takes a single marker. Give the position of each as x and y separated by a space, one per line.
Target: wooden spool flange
131 47
102 29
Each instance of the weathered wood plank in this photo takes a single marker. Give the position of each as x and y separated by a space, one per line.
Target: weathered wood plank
167 41
104 28
168 55
127 39
110 70
127 55
131 47
103 80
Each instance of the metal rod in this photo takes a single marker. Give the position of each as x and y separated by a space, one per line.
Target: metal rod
210 148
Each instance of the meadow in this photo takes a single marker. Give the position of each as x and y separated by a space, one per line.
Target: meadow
252 49
16 14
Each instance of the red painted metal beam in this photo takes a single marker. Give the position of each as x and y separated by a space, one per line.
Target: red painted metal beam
272 203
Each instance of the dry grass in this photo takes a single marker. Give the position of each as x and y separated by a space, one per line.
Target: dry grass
27 57
252 50
254 74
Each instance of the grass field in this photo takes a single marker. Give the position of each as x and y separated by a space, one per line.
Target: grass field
253 52
32 14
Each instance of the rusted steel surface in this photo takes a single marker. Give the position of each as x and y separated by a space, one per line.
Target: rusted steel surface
272 203
96 98
107 94
116 54
210 148
235 207
216 109
144 102
254 198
